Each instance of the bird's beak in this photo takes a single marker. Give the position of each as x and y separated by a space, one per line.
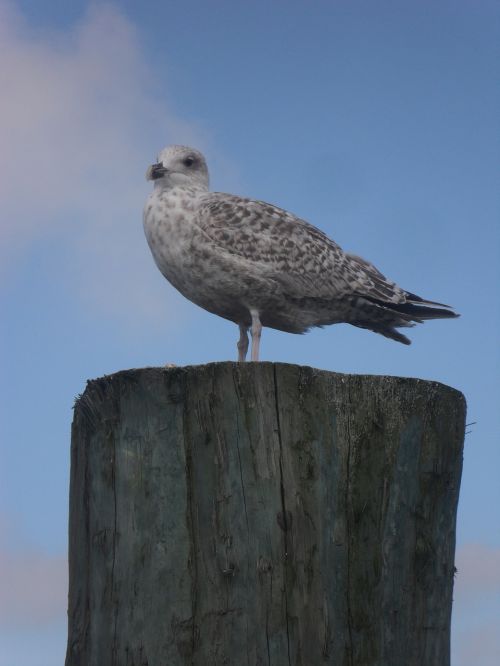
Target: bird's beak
156 171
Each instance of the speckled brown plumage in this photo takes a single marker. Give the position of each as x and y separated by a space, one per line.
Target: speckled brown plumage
256 264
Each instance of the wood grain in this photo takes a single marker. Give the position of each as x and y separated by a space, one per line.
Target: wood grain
262 513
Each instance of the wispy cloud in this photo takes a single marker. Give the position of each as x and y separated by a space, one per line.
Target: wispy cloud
478 644
33 583
34 589
476 607
81 117
478 570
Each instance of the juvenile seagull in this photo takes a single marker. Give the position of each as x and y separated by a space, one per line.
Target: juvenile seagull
258 265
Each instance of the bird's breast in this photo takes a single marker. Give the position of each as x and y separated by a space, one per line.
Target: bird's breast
169 232
190 261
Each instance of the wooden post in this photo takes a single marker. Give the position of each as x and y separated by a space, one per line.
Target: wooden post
263 513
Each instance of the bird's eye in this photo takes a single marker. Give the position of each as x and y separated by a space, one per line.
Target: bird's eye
189 161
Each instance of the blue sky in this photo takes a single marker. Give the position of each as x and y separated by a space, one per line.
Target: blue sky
377 122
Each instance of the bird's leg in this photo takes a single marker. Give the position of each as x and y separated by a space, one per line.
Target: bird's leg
243 343
256 331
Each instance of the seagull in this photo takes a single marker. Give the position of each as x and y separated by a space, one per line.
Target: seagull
258 265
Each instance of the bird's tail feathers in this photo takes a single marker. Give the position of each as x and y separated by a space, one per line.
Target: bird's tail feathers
393 335
416 309
387 330
420 312
384 317
413 298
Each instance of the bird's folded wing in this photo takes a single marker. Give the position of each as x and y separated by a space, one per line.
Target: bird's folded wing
289 250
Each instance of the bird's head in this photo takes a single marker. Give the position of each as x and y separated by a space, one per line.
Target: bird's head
179 166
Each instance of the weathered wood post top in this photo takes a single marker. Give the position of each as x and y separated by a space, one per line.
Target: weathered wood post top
262 513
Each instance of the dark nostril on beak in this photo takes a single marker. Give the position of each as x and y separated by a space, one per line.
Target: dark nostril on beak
156 171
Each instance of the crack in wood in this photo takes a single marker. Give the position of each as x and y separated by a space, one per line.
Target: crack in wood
115 610
348 505
193 556
284 510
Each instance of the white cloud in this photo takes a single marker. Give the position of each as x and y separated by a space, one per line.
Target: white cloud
478 570
478 645
34 589
476 606
33 584
81 118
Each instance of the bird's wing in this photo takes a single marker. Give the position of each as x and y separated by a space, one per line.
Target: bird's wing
289 250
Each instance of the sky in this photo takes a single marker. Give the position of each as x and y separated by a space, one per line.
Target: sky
377 122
